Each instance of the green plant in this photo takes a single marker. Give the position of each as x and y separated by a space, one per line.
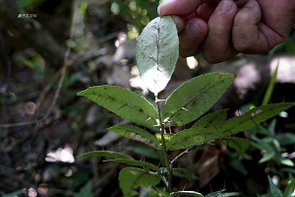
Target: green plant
138 12
275 191
157 53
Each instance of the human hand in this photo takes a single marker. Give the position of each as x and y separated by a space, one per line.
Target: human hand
254 27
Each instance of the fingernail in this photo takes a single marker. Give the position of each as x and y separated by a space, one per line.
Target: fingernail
161 6
225 6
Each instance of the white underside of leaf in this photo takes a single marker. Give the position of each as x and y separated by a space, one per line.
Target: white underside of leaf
156 81
157 53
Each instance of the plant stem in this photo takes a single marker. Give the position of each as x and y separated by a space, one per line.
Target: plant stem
164 149
178 156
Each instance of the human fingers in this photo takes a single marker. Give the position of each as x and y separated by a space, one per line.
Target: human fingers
217 46
187 7
176 7
192 36
279 15
250 35
205 10
179 22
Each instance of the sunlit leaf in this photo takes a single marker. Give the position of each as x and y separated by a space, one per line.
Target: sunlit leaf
131 178
287 162
124 103
213 120
253 117
137 134
186 193
106 154
275 191
167 136
133 162
195 97
157 53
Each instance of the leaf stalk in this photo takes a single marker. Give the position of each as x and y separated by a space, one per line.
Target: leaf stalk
163 148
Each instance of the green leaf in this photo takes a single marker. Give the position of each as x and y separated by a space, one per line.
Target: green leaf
215 194
157 53
267 156
275 191
157 193
239 144
271 86
252 118
186 193
137 134
124 103
198 136
182 173
15 194
166 136
133 162
86 190
288 170
213 120
286 162
189 138
195 97
286 139
106 154
223 194
130 178
290 189
144 152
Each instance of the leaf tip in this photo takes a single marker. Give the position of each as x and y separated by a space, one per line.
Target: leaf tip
81 156
81 93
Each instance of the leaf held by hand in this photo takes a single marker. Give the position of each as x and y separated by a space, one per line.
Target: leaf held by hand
157 53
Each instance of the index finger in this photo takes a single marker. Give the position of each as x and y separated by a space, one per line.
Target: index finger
186 7
180 8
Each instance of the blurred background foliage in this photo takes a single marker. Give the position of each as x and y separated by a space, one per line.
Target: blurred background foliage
44 125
